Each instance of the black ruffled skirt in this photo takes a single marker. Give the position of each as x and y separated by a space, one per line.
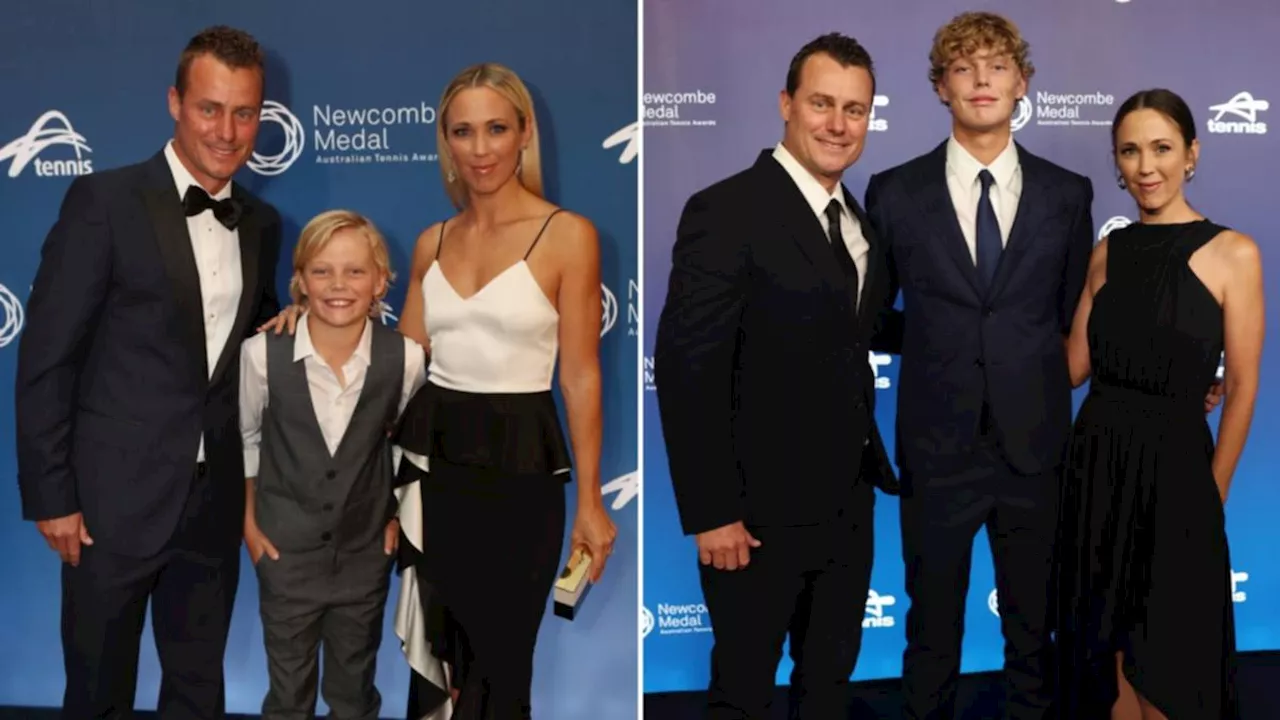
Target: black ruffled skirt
493 524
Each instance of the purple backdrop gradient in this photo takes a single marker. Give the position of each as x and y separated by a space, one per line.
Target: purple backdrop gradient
1209 52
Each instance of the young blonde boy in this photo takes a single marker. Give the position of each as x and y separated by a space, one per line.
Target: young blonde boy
320 523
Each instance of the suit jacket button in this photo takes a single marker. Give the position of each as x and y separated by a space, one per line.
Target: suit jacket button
331 474
980 362
327 537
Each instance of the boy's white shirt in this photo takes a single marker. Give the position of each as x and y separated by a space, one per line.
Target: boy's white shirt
333 404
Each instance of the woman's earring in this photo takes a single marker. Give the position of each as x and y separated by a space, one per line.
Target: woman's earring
450 177
1191 172
1121 183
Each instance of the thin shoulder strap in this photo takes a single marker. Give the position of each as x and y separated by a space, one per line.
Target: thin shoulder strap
544 228
440 242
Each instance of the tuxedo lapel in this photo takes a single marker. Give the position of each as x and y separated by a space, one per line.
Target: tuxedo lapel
169 223
1032 206
250 233
940 215
799 222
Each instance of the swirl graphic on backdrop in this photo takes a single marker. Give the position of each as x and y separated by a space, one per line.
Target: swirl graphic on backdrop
1021 114
646 622
294 140
630 136
626 486
23 150
609 309
11 316
1111 225
993 603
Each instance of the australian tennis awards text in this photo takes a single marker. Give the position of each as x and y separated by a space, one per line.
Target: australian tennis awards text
1072 108
343 129
678 108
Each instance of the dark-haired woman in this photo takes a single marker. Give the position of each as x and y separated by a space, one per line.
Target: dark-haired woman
1145 624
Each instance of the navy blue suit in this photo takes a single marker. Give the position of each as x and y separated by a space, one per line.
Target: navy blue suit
113 394
984 411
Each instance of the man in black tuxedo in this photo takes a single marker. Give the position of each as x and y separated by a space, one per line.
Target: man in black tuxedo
989 245
766 396
129 451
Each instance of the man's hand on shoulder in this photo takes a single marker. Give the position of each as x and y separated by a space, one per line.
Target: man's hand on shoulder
727 547
65 536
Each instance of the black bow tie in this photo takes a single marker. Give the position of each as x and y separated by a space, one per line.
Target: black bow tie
227 211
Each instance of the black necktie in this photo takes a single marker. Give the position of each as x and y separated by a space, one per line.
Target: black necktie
843 258
989 245
227 211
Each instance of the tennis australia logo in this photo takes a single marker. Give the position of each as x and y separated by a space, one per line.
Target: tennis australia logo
626 486
678 109
878 124
1111 225
877 361
49 130
629 138
874 614
683 619
11 316
1238 595
387 314
1245 108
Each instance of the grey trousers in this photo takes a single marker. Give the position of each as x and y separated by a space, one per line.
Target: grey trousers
330 598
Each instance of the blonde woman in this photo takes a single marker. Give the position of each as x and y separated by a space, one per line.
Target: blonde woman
500 293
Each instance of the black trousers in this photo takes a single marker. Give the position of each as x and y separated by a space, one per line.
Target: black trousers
491 548
807 582
940 517
191 585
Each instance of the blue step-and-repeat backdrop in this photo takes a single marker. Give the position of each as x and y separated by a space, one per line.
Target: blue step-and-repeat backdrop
711 82
349 122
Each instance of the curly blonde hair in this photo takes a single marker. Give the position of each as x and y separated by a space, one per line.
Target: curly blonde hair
971 32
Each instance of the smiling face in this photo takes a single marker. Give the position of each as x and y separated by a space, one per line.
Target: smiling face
827 116
982 89
1153 159
485 138
342 281
216 120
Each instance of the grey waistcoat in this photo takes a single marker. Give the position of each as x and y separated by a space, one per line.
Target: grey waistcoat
306 499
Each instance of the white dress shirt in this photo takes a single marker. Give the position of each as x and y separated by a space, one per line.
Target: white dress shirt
966 190
818 199
217 253
333 402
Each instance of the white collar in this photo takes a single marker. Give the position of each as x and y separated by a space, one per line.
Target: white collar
814 194
302 347
182 178
966 167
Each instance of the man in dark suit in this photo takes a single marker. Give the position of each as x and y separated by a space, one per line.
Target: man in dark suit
129 451
766 396
989 245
